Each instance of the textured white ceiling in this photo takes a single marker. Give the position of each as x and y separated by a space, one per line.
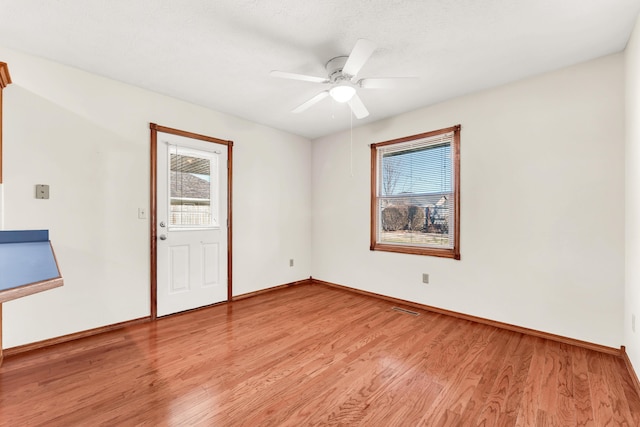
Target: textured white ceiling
218 53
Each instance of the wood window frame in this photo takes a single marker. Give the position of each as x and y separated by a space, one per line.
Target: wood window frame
454 252
5 80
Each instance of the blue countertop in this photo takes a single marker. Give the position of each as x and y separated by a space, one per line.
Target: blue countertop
26 257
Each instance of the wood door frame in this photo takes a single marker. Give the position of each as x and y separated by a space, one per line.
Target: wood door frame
153 206
5 80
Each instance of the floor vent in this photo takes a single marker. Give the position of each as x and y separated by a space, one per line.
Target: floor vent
404 310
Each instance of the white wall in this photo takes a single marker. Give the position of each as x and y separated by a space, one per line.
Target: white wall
88 138
542 224
632 196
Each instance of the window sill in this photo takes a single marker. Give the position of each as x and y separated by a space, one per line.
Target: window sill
414 250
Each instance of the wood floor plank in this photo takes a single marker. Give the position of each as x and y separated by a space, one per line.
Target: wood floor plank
582 389
548 397
530 402
314 355
522 364
490 399
565 405
630 395
619 404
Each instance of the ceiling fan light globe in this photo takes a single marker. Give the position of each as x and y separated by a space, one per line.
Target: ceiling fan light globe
342 93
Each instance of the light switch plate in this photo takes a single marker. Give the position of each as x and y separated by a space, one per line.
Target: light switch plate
42 191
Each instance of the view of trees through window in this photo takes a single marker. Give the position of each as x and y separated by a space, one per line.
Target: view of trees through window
416 188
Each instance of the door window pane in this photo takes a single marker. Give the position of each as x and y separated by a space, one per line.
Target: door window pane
190 189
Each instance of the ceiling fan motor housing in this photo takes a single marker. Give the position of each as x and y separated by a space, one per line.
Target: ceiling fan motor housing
334 69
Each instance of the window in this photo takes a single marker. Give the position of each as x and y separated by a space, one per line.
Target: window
191 186
415 194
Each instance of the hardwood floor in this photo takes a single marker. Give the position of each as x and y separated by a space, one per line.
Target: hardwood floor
315 355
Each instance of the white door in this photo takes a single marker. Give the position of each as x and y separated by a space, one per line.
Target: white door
192 223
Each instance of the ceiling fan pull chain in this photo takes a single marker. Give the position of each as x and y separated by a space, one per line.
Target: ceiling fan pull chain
351 154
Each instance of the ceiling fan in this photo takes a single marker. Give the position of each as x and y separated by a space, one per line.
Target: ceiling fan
343 79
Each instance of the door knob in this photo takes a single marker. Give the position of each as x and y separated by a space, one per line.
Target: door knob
163 237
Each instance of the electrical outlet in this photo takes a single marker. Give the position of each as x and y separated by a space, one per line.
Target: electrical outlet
633 322
425 278
291 262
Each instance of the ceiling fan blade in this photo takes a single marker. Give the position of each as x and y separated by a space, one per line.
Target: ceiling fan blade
358 108
385 82
359 55
319 97
294 76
